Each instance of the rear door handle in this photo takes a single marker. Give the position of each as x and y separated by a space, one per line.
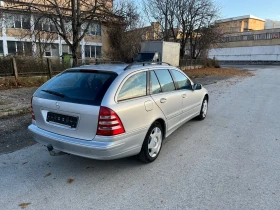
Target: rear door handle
163 100
184 96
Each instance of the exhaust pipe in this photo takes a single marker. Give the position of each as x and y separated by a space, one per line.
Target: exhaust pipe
54 153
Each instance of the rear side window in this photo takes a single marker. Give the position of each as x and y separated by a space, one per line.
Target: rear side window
155 86
165 80
182 81
135 86
83 87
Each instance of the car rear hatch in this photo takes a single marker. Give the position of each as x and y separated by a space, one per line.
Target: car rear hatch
69 104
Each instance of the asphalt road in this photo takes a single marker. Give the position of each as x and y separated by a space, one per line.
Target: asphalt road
229 161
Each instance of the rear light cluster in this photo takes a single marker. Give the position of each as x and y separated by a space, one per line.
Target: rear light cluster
109 123
32 113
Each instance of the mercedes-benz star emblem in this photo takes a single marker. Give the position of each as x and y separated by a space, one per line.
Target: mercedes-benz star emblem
57 105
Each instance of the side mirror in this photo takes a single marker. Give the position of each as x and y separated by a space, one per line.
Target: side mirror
197 87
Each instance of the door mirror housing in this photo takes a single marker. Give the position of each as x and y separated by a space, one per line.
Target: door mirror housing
197 87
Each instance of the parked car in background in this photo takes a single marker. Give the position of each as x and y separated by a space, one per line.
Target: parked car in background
111 111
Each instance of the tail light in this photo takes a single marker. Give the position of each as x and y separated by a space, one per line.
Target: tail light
32 113
109 123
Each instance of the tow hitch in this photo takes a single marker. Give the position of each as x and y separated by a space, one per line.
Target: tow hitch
54 153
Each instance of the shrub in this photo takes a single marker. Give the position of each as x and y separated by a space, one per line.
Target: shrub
6 66
211 63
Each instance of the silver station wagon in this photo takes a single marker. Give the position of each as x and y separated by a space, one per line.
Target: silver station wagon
111 111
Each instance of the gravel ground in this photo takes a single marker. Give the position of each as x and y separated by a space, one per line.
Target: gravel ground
15 101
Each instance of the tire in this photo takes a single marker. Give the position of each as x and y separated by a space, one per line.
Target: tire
152 144
203 110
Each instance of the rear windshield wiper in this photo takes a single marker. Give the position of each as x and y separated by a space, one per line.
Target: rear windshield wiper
54 93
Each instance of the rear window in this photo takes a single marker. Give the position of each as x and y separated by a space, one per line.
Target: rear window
82 87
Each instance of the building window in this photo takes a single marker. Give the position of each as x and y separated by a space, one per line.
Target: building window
28 48
38 23
26 22
55 50
12 47
65 49
48 50
244 38
52 50
98 52
17 21
269 36
257 36
262 36
275 35
87 51
1 48
93 51
44 24
94 29
19 48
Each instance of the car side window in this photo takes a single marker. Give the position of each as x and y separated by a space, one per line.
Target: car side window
155 86
135 86
182 81
165 80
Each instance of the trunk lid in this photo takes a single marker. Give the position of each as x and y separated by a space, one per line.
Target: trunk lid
68 119
69 104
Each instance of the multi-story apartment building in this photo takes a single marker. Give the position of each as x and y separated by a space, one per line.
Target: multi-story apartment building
27 33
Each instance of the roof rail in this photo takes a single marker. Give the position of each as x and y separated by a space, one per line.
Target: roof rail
108 62
145 63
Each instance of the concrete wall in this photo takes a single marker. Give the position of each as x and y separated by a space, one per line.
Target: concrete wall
253 53
251 43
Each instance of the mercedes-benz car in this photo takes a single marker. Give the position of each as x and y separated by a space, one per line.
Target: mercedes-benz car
111 111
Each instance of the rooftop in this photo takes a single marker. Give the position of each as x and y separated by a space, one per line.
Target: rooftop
239 18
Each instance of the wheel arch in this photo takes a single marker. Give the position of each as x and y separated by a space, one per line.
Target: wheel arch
207 97
163 125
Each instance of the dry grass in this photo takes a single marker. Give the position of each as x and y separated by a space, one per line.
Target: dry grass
203 72
33 81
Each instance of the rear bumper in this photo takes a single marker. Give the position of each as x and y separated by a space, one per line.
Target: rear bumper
125 146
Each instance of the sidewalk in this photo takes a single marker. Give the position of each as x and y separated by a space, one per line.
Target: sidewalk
15 101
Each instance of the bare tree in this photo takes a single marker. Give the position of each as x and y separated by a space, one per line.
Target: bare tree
205 39
185 21
71 18
194 16
125 37
163 12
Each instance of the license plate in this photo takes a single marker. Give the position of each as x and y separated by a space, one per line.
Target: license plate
62 119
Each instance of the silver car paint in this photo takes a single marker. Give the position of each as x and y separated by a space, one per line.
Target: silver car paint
137 115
